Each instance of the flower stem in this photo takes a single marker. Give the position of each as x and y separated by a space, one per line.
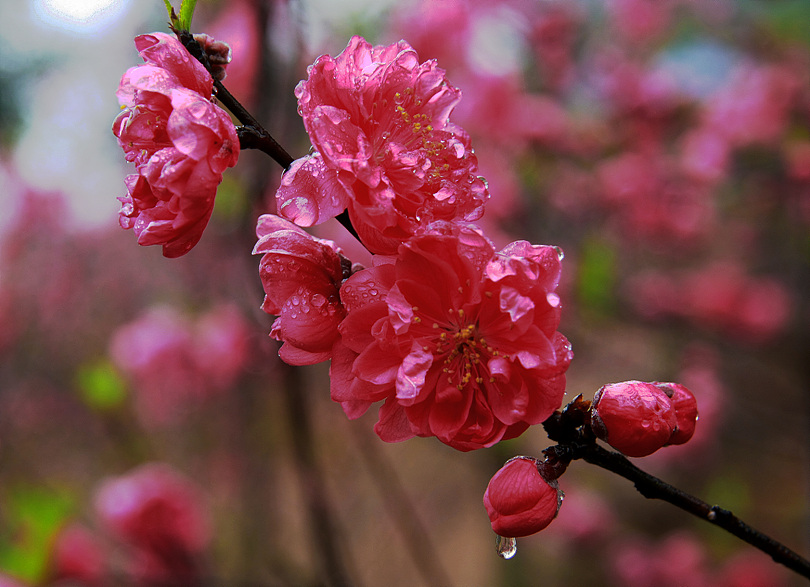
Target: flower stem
652 487
571 430
252 135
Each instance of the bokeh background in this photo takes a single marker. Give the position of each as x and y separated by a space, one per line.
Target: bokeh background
150 436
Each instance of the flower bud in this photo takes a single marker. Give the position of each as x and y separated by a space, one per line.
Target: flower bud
686 412
634 417
519 500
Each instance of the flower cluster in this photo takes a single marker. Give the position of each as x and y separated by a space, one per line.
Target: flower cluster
180 141
634 417
458 340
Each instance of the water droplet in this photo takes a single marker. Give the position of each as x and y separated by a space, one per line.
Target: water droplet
553 300
505 547
560 253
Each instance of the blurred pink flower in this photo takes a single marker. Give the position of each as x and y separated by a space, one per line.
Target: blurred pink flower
78 556
723 297
640 21
754 107
461 342
301 276
751 569
239 25
587 518
677 560
519 501
385 147
553 37
179 140
160 514
174 361
705 155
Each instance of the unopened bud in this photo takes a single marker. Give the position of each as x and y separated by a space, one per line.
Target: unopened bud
519 500
634 417
686 411
218 53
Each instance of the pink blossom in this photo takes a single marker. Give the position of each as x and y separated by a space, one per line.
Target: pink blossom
677 560
301 276
160 514
519 501
705 155
79 556
179 140
634 417
240 25
754 107
685 407
461 342
751 569
386 150
174 361
553 37
640 21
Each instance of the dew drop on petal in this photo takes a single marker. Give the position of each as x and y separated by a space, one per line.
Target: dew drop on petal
560 253
553 300
506 547
318 300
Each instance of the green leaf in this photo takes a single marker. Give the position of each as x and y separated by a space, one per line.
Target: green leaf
186 12
32 518
100 385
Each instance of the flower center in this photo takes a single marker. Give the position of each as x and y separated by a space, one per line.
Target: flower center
465 353
404 127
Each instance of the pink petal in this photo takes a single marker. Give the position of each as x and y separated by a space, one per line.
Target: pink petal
310 192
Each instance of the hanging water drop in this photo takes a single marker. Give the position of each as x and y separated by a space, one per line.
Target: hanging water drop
506 547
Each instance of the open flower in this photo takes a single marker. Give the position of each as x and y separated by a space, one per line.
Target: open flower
301 276
385 149
460 341
180 141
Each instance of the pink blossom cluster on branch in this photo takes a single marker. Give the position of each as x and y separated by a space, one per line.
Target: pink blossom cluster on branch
180 142
472 359
454 338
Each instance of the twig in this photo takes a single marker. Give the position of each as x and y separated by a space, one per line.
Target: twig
652 487
571 429
255 135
